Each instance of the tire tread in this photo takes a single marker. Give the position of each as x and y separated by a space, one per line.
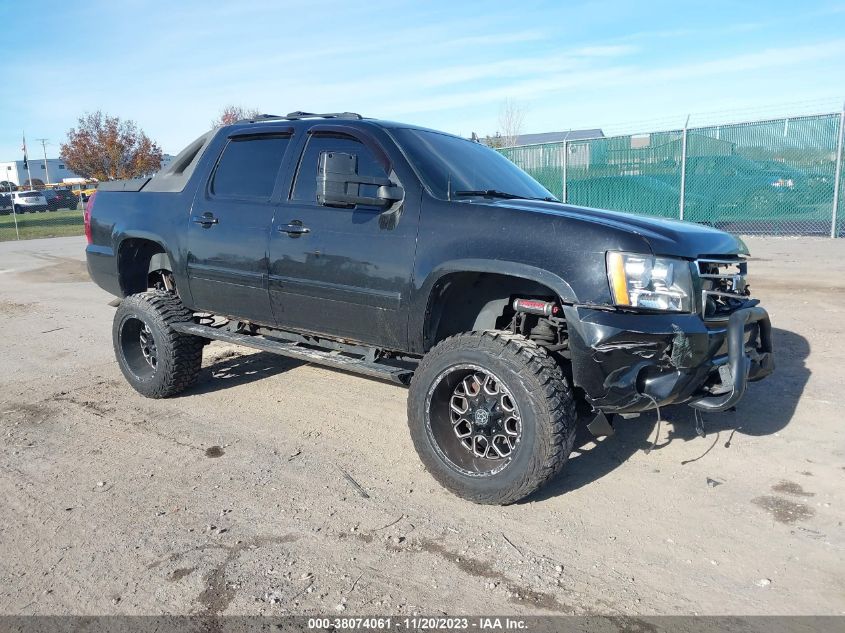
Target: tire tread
545 381
182 358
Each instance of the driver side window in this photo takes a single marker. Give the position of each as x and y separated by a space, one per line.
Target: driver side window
305 185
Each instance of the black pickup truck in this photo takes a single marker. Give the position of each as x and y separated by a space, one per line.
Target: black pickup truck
429 260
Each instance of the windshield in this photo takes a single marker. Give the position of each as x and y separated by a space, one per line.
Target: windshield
441 159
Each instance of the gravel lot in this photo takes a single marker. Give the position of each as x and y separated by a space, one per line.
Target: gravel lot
233 498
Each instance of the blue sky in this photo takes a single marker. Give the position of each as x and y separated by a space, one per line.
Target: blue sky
622 66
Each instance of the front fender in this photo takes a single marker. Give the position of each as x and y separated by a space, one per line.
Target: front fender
423 292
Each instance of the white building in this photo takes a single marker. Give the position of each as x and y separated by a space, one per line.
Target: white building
55 172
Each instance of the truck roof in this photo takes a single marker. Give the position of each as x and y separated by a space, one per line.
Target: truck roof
175 176
349 117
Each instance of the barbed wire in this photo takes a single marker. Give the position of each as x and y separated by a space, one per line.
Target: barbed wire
727 116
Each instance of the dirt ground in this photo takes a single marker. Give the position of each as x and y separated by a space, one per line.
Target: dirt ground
233 499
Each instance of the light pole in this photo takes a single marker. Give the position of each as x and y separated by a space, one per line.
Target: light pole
44 147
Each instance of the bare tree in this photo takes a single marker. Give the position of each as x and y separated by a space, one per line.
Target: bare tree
511 117
233 113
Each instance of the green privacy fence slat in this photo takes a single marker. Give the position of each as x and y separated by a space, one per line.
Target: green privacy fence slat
772 177
544 162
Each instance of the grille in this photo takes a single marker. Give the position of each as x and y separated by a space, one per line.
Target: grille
723 286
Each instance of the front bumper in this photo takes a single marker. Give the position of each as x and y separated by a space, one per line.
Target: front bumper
628 362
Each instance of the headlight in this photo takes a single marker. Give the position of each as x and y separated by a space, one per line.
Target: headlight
654 283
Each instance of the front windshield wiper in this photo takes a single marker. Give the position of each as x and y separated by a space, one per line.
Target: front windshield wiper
495 193
487 193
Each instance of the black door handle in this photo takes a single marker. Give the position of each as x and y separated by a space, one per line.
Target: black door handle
295 228
206 219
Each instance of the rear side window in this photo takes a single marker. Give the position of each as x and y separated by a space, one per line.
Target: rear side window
305 187
248 167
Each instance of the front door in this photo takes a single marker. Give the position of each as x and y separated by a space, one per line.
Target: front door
342 272
229 229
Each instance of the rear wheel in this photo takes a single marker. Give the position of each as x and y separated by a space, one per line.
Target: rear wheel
155 359
491 416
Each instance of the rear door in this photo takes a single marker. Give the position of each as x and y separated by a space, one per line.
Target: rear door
343 272
229 227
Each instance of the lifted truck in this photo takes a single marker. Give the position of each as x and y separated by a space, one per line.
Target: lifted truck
431 261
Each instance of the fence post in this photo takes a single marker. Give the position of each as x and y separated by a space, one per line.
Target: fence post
14 215
838 172
565 155
683 168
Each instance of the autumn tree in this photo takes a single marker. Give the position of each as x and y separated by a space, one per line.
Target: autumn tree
106 148
232 114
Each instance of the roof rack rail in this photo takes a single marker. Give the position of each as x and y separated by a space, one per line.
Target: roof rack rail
299 114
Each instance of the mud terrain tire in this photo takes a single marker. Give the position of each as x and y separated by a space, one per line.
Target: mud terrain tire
156 360
522 378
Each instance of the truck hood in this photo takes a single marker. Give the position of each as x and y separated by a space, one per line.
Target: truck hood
663 236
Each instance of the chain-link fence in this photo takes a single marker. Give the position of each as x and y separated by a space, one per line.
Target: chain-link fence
29 215
774 177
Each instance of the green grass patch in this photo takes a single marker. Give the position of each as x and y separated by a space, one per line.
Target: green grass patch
47 224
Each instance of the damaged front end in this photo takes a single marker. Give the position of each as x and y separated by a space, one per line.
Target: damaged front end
629 361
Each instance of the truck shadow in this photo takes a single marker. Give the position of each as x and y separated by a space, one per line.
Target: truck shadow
240 370
768 406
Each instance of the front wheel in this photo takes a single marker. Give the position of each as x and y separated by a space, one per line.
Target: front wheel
491 416
155 359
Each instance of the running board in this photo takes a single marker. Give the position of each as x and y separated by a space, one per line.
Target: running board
300 352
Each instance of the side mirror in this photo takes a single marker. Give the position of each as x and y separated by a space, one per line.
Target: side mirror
338 183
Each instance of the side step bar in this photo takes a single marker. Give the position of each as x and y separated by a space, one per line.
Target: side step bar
300 352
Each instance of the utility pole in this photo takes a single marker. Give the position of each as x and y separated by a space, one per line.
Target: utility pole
44 147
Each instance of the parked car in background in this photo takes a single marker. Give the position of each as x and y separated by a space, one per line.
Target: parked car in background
52 199
29 201
60 199
738 186
69 199
721 190
5 204
650 195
